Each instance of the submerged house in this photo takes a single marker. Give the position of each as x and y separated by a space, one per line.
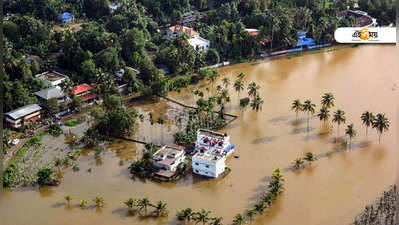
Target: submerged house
21 116
168 159
212 148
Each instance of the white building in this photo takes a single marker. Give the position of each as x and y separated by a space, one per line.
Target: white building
168 158
178 30
212 148
52 78
199 43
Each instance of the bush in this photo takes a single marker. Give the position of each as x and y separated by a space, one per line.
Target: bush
55 130
71 123
44 177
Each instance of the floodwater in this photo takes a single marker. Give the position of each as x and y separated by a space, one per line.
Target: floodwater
331 192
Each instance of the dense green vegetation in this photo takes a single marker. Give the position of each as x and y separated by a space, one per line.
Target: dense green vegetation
98 41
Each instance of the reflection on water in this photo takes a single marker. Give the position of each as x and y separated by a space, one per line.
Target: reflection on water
329 192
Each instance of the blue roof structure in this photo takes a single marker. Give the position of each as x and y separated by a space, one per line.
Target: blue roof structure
66 17
304 41
229 148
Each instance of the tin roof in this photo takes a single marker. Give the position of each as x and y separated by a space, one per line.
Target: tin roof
23 111
81 88
52 92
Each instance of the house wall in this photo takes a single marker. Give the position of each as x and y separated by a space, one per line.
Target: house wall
209 168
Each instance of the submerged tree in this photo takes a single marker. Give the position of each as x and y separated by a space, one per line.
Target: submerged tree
239 220
160 209
324 114
257 103
238 86
327 100
367 119
381 124
351 132
296 106
309 108
339 117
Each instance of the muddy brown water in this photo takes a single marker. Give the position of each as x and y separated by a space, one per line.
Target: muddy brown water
331 192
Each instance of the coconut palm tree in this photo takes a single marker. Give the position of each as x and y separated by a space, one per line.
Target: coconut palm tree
161 121
251 213
239 220
309 108
238 86
241 75
216 221
226 82
351 132
131 203
309 157
185 214
253 89
202 216
160 209
296 106
298 163
99 201
367 119
327 100
212 77
324 114
68 198
381 124
257 103
83 204
339 117
260 207
143 204
267 198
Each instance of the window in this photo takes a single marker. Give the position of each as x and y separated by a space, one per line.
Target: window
196 171
207 166
196 164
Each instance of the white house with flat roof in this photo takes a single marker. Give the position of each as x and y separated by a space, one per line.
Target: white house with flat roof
211 148
199 43
52 78
168 158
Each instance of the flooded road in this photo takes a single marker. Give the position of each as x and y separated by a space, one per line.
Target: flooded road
331 192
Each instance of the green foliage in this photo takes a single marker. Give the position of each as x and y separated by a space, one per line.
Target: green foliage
44 177
55 130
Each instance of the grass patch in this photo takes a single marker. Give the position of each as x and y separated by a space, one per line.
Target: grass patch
71 123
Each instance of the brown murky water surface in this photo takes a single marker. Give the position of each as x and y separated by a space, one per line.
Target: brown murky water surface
331 192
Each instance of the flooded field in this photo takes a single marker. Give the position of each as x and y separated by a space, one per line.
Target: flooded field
330 192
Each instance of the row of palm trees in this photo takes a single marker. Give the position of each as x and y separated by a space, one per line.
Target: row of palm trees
379 122
299 162
142 205
98 201
274 189
203 216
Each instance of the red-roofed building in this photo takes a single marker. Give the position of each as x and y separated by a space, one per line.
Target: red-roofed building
84 91
175 31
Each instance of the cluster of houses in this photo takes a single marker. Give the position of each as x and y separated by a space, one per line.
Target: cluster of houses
20 117
211 151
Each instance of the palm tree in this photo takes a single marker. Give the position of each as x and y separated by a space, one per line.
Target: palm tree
161 121
324 114
241 75
99 201
68 198
296 106
160 209
309 157
251 213
216 221
143 204
253 89
339 117
58 163
381 124
238 86
298 163
367 119
131 203
202 216
257 103
212 76
267 198
226 82
351 132
185 214
239 220
260 207
83 204
327 100
309 108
